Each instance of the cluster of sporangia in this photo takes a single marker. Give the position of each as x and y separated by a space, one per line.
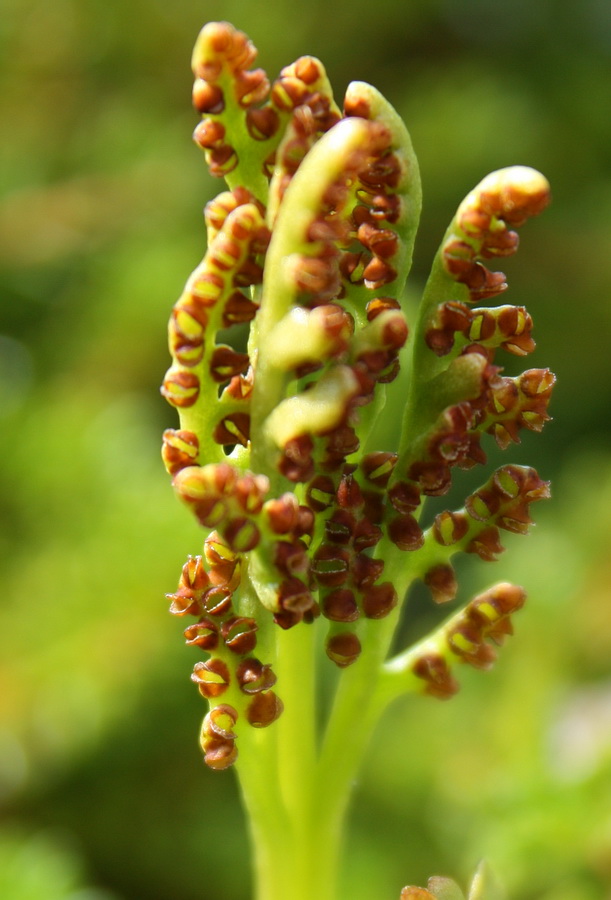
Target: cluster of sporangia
311 245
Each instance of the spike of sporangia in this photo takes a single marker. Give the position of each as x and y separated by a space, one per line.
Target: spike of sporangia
314 422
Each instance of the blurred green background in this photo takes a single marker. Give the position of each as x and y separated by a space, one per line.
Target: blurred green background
103 795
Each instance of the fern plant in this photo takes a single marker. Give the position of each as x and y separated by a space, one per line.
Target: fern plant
287 343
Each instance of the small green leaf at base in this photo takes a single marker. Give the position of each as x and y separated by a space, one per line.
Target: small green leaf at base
485 886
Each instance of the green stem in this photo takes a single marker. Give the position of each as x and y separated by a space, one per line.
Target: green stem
296 852
267 824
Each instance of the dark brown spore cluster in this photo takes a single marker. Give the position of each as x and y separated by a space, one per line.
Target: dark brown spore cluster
205 591
486 618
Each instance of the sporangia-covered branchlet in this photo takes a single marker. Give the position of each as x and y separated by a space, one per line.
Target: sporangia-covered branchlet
287 345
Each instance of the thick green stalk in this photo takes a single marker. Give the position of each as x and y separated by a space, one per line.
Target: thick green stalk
280 784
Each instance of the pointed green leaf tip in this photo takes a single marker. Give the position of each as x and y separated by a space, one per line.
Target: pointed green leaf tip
485 885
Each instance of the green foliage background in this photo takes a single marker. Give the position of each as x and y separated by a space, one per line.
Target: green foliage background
103 795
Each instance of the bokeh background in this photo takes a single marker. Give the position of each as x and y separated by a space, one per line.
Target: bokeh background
103 795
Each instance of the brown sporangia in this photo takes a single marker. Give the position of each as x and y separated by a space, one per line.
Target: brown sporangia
179 450
340 605
203 634
222 497
454 323
181 388
285 342
239 634
217 737
516 403
486 618
212 677
254 676
442 583
343 648
435 672
221 61
379 600
483 223
450 527
405 532
263 709
503 502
